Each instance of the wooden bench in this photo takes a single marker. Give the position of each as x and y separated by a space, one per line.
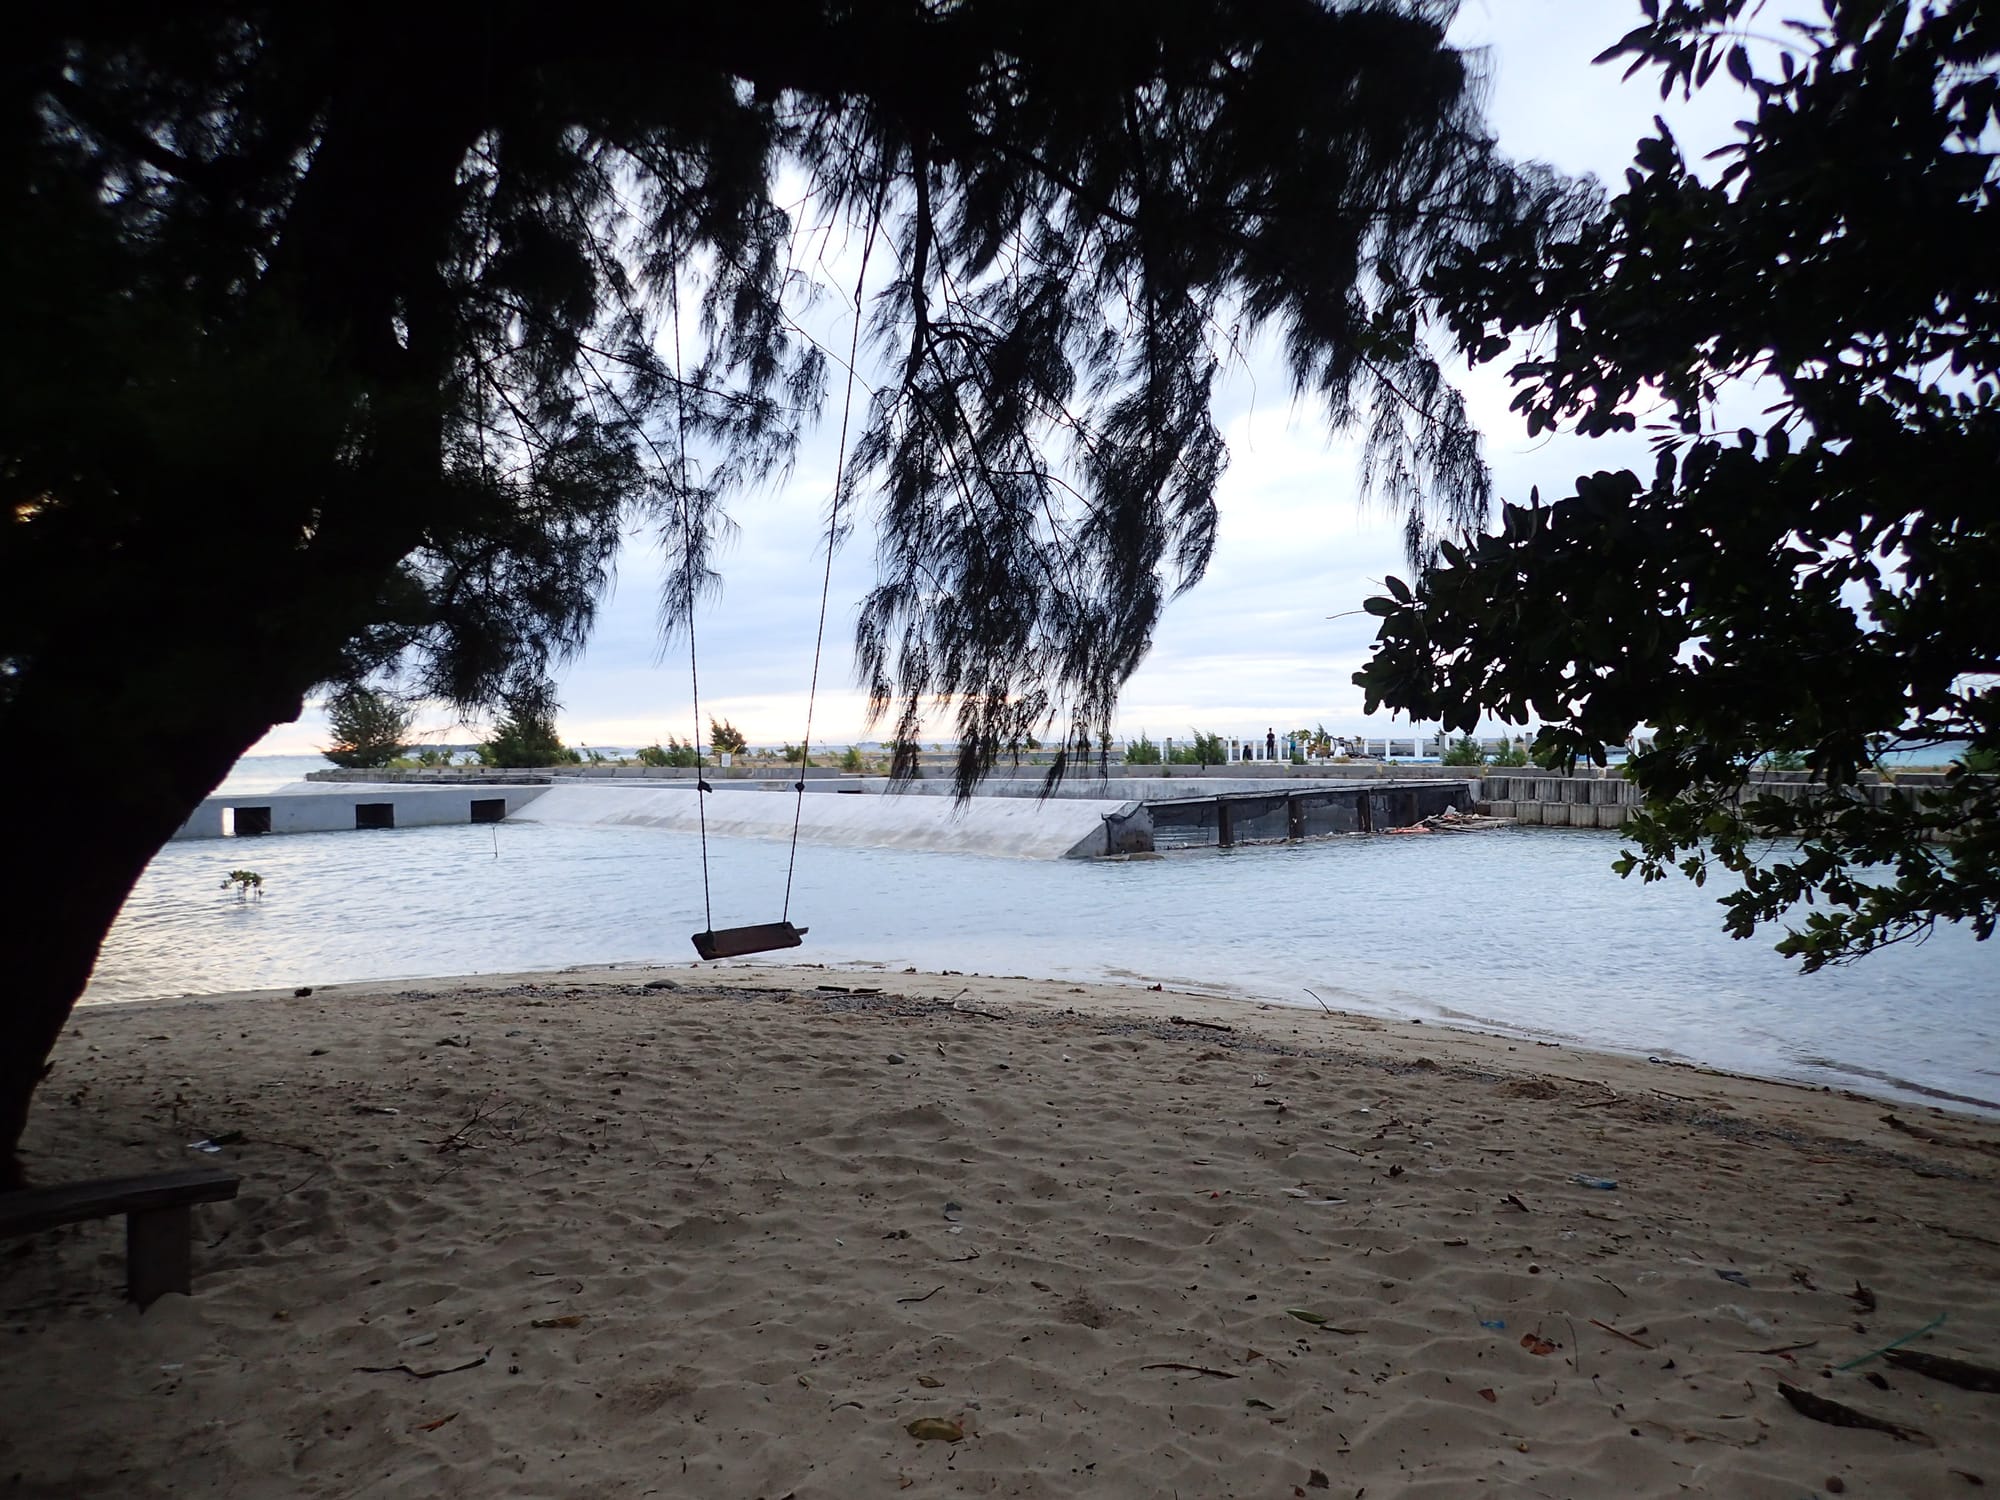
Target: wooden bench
158 1224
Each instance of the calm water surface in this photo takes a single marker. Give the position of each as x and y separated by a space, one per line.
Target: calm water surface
1522 931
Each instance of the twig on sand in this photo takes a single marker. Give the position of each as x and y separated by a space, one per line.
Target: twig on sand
973 1010
926 1296
461 1138
471 1364
1204 1025
289 1146
1600 1323
1174 1364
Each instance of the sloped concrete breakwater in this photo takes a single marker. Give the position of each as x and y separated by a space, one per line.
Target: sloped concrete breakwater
1014 827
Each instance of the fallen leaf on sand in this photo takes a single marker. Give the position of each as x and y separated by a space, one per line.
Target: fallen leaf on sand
434 1426
1487 1394
1806 1404
1534 1343
1318 1320
935 1429
929 1382
1956 1372
567 1320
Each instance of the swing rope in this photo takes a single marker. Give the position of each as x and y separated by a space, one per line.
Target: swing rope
687 568
826 579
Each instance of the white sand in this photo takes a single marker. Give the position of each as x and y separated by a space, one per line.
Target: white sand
729 1240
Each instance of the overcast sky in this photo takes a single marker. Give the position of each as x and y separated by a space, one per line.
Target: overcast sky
1252 645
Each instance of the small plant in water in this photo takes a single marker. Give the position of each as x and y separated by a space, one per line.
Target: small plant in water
248 883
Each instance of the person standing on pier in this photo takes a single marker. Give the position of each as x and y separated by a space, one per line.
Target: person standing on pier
1270 744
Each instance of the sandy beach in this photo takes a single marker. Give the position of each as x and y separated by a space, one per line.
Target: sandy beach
769 1232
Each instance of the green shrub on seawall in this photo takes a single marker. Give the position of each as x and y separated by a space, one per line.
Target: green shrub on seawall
674 753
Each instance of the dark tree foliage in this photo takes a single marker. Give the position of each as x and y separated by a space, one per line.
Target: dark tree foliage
1823 586
369 728
375 326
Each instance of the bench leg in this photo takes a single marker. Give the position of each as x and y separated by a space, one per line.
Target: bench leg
158 1258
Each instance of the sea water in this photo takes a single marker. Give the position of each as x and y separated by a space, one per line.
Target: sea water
1523 931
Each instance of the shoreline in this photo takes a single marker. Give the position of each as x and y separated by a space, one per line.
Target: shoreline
1909 1095
634 1231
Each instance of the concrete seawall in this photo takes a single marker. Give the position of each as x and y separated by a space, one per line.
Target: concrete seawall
1603 798
322 807
1022 829
1583 801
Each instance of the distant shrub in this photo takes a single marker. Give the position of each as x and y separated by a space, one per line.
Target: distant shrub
673 753
1783 760
850 759
1142 751
1511 753
1463 751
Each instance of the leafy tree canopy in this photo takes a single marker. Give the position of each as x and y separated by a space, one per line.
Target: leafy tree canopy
369 728
1813 587
387 322
525 733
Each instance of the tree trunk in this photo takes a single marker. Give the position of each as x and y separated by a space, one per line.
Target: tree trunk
73 853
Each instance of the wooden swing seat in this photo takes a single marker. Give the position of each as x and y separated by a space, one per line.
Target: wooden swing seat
734 942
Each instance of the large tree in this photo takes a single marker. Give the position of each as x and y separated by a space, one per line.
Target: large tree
369 728
1823 585
342 341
